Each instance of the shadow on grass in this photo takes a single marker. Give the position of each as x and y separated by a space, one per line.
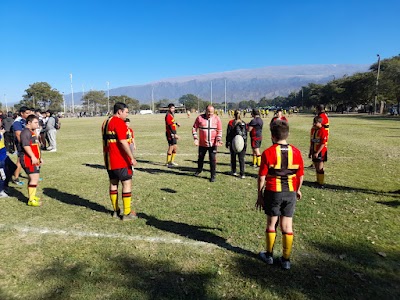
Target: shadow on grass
95 166
74 200
125 278
168 190
351 189
394 203
336 272
197 233
13 192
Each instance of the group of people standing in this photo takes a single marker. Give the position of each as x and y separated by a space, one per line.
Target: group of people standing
281 166
25 134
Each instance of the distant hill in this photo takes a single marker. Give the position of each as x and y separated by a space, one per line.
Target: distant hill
246 84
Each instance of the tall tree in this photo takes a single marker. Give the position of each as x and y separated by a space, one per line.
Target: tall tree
132 103
41 95
95 101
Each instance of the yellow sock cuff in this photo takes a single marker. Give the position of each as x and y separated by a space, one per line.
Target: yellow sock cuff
259 160
287 243
254 159
114 199
126 198
270 237
169 158
32 191
173 157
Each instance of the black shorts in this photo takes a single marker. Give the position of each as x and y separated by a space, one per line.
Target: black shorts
171 141
280 203
29 168
120 174
321 157
255 144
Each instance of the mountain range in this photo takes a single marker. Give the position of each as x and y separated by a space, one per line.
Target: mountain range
244 84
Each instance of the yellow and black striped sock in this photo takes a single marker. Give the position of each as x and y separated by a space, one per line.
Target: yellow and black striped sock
287 242
173 157
258 160
126 198
169 157
32 191
114 199
270 237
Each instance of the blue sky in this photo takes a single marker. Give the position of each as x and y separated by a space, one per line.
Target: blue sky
136 42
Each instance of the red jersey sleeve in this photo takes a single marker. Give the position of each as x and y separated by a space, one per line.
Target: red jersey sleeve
264 165
120 129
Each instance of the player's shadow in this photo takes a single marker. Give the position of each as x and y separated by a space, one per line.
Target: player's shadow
13 192
171 171
95 166
197 233
350 189
168 190
355 267
394 203
71 199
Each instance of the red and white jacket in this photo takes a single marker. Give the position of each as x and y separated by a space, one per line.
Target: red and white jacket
210 130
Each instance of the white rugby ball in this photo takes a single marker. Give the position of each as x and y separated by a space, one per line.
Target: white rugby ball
238 143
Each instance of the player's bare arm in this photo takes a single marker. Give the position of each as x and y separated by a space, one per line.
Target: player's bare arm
127 150
29 152
260 197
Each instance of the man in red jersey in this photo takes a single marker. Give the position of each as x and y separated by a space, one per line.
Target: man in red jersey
210 131
30 157
172 137
279 181
318 148
118 160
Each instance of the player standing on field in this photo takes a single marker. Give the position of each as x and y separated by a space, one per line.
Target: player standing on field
118 160
172 137
279 181
318 149
255 128
30 158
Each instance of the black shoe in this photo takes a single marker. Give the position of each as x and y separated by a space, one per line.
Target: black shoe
212 179
197 174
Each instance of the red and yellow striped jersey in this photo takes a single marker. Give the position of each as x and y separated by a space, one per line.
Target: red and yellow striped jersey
282 165
113 130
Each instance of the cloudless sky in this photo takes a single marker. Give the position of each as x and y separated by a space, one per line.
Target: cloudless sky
135 42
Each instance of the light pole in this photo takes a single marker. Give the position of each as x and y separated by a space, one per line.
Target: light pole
5 100
377 82
108 97
72 94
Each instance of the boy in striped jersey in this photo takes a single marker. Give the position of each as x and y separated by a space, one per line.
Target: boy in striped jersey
279 181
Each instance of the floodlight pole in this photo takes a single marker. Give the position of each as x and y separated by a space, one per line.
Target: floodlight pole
72 94
108 97
377 82
225 95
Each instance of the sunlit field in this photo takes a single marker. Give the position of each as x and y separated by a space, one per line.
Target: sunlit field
199 240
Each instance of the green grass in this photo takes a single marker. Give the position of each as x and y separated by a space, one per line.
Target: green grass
346 236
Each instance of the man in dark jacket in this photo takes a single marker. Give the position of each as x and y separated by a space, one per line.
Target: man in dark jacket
9 133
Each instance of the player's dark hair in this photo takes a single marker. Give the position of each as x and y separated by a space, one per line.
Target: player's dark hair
23 109
127 120
320 107
118 106
255 112
30 118
317 120
171 105
280 129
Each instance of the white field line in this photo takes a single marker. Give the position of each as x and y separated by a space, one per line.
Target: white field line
75 233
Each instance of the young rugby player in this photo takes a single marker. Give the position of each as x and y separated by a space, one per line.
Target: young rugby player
172 137
255 128
318 148
30 158
279 181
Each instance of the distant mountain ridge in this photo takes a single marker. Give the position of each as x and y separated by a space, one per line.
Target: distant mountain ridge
245 84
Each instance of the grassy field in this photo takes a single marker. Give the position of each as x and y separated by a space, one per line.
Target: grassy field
199 240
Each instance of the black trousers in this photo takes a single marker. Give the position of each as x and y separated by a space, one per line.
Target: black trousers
212 154
241 156
9 141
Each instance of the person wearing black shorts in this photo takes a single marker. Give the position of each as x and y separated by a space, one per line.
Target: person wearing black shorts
172 137
255 128
279 181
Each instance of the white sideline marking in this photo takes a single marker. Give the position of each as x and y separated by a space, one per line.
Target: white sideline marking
76 233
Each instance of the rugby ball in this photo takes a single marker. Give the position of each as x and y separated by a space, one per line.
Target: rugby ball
238 143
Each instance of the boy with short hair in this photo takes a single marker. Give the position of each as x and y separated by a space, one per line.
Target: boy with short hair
318 148
279 181
30 158
130 136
